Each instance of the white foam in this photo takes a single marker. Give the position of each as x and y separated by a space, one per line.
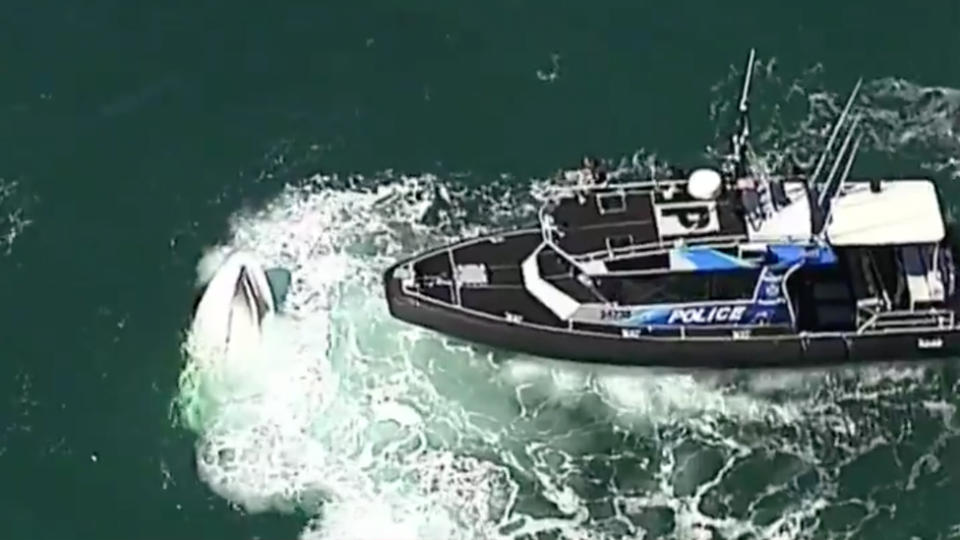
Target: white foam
209 263
374 426
307 424
14 213
370 424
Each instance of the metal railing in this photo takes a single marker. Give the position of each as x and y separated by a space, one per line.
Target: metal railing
928 318
660 246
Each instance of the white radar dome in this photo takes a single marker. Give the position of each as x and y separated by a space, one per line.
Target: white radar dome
704 184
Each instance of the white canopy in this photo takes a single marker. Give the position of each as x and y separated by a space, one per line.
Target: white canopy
902 212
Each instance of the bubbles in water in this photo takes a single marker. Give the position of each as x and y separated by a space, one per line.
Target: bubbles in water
334 417
209 263
14 211
351 412
791 119
375 427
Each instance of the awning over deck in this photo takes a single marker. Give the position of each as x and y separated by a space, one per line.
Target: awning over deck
902 212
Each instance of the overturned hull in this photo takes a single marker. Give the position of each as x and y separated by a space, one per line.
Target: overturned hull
234 307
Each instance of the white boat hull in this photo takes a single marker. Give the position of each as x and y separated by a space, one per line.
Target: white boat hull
236 304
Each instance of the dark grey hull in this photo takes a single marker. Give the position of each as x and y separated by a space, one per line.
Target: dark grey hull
788 351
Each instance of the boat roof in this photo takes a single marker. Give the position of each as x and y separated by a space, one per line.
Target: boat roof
901 212
601 221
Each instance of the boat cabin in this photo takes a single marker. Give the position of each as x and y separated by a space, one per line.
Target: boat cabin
897 267
714 254
679 255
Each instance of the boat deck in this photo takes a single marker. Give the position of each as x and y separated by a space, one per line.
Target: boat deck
502 296
501 293
483 276
888 288
612 218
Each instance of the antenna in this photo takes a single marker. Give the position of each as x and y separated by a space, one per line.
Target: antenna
746 82
811 182
846 170
739 140
843 180
843 177
836 163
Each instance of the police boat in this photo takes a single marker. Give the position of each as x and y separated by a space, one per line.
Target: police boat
718 268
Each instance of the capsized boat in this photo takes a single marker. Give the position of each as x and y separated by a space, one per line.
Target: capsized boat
234 305
718 268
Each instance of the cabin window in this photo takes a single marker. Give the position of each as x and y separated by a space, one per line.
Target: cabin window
681 287
754 254
611 203
656 261
733 285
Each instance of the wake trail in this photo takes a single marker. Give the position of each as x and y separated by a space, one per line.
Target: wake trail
376 427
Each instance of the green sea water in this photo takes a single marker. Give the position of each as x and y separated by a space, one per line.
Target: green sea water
332 138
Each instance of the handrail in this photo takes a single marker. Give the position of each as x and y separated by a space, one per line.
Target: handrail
554 190
658 246
882 319
589 188
786 292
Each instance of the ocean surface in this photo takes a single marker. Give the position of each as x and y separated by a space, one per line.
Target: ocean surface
139 141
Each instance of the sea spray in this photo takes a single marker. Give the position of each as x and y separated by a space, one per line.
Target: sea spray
378 428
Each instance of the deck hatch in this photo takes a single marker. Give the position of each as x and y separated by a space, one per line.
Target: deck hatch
611 203
471 274
686 218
